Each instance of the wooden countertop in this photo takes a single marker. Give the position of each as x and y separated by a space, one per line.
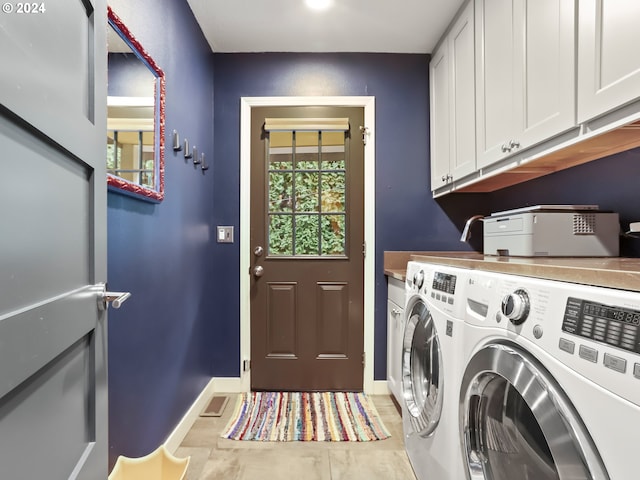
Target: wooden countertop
614 272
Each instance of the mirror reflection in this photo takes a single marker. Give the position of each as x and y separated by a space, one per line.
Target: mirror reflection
135 116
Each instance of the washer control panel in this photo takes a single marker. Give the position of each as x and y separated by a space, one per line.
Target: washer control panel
444 282
615 326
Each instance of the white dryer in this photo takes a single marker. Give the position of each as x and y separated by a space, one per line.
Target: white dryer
431 369
551 386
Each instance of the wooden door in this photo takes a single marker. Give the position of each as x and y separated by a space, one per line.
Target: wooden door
53 344
307 236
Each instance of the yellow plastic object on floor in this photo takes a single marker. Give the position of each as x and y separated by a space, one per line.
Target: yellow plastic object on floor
158 465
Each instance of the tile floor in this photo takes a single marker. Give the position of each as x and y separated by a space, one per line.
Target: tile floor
213 457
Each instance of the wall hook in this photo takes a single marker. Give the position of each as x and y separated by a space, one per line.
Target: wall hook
203 164
196 158
187 152
176 142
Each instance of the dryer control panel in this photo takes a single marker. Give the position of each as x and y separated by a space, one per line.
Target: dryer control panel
608 324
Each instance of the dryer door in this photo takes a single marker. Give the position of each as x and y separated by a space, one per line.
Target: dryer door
421 368
516 421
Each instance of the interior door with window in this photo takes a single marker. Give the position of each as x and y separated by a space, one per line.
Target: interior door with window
53 345
307 241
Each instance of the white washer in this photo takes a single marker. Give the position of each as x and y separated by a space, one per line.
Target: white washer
431 369
551 387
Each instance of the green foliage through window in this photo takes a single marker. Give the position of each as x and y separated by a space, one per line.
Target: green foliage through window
307 203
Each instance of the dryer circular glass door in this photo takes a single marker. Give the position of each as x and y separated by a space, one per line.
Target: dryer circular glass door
421 368
516 421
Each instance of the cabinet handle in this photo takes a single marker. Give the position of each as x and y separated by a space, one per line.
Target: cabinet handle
395 312
513 144
505 148
447 178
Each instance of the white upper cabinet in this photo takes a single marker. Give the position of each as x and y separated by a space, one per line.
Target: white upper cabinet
525 77
452 94
609 59
439 116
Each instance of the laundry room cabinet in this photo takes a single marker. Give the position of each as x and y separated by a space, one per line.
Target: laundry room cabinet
608 62
525 74
395 330
452 107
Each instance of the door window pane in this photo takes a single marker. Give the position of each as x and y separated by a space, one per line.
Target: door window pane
307 192
280 192
306 235
333 235
307 180
280 234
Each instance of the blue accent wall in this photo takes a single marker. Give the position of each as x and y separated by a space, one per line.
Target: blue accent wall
611 183
407 217
159 341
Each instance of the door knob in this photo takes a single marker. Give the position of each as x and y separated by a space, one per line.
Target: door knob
258 251
258 271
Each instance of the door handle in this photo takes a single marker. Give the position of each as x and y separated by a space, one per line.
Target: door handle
258 271
115 298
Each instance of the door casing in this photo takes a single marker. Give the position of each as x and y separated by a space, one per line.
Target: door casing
246 104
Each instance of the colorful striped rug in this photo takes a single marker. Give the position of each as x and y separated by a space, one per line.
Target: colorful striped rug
315 416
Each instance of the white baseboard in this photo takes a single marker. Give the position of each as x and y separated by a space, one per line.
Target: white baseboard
231 384
380 388
176 437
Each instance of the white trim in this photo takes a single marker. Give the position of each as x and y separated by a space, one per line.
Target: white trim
113 101
246 104
176 437
380 387
228 384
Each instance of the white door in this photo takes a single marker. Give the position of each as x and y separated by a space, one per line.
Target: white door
525 74
440 117
462 94
53 344
494 79
545 48
608 63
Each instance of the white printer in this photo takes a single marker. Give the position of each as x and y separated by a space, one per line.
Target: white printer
553 231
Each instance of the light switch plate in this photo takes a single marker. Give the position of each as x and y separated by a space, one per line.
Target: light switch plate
224 234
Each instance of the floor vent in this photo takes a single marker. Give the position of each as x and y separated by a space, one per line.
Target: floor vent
215 408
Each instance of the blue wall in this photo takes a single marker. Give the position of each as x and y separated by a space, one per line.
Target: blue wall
407 218
159 345
610 182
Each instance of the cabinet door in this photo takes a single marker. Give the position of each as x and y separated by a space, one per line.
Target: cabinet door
462 95
440 117
608 62
544 90
395 318
494 79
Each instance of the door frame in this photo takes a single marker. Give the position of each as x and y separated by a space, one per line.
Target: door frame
246 104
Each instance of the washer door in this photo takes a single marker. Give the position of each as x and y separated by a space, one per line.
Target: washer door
517 423
421 368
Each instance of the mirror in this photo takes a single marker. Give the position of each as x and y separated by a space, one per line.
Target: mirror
135 116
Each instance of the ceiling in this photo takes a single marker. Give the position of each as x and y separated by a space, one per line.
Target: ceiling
380 26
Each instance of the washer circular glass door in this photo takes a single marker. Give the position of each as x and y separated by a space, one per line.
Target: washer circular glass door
516 422
421 368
